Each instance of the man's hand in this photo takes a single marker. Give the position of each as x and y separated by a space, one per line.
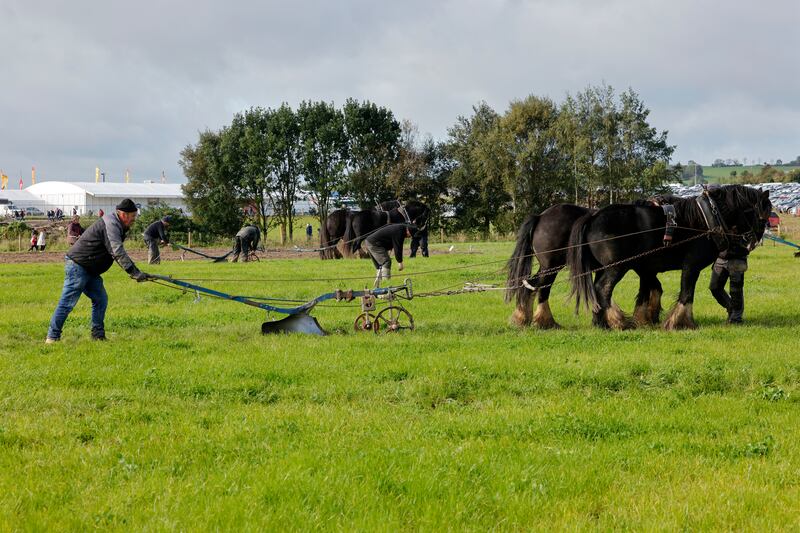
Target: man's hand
400 266
140 276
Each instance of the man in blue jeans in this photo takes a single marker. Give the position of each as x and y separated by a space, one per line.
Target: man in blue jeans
86 260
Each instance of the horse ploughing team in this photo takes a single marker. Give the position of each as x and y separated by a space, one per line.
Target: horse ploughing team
719 227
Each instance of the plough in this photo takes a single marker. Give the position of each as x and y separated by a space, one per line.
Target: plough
217 259
771 237
394 317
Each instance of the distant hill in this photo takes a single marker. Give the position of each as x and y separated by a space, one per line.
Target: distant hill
715 174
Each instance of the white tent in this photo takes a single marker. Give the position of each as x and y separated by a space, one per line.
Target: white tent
88 196
14 199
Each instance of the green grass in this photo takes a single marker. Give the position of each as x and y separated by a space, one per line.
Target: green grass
190 419
723 174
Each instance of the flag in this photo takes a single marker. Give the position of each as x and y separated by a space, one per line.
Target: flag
3 181
127 176
33 175
20 184
97 174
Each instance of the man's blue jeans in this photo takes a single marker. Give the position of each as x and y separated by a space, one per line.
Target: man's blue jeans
78 281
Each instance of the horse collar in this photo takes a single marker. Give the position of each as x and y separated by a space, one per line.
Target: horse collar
713 219
402 211
669 212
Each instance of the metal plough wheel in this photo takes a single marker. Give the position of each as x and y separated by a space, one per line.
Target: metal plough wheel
364 322
393 318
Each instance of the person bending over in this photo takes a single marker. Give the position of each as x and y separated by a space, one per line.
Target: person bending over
379 243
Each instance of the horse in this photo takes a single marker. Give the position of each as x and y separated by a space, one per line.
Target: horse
331 232
545 236
363 222
620 238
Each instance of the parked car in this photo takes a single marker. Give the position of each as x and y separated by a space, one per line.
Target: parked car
31 211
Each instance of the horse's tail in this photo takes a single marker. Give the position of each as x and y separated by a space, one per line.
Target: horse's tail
349 238
520 264
324 240
579 261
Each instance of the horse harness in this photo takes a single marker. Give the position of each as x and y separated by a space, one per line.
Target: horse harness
669 212
713 218
400 209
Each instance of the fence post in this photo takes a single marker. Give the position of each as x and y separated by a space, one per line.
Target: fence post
19 242
190 239
441 235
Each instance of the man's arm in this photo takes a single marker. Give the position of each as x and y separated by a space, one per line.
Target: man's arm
162 233
397 240
114 246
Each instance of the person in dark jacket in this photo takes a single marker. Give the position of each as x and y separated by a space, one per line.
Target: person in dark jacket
731 264
156 235
74 230
389 237
86 260
246 241
419 240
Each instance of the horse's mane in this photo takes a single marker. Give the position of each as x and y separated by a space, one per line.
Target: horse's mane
728 198
688 212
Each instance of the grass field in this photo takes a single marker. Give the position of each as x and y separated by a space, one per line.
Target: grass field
189 419
723 174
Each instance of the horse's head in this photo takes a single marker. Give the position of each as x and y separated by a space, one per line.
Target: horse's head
418 213
745 211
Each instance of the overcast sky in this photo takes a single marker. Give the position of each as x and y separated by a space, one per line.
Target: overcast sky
129 84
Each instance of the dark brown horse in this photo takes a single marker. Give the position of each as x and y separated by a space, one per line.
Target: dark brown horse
545 236
364 222
620 238
331 232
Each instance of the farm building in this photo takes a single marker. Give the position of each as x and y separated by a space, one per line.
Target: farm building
91 197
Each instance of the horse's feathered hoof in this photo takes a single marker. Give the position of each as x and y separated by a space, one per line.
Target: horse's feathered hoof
680 317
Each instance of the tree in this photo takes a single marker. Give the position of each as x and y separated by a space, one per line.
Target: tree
372 135
210 191
323 153
421 171
478 194
245 155
528 156
645 153
284 155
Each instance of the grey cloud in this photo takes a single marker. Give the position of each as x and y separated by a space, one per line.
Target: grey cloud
127 85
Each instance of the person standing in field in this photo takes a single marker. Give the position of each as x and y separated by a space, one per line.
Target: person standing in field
389 237
246 241
74 230
731 264
41 241
309 232
34 240
420 240
85 262
156 235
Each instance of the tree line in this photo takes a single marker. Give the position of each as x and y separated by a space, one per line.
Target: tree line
491 170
